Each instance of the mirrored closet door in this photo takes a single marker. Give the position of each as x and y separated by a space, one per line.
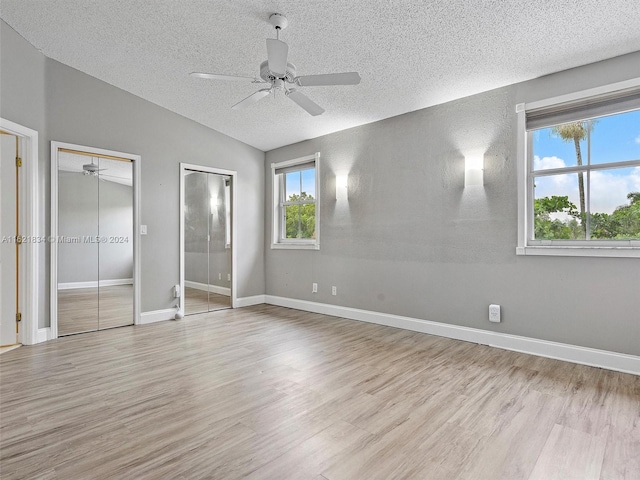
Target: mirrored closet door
95 242
207 242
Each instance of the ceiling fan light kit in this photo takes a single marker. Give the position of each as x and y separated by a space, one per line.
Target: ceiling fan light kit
278 73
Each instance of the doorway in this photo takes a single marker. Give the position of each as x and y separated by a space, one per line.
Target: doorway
94 223
11 238
20 218
207 239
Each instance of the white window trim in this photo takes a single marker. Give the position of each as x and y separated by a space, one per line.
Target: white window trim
588 248
293 244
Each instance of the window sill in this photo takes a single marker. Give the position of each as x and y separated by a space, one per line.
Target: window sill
295 246
580 251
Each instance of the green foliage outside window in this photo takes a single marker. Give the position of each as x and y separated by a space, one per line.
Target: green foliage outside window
548 229
622 224
300 218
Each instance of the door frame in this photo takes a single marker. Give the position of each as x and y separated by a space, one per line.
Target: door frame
218 171
137 287
31 206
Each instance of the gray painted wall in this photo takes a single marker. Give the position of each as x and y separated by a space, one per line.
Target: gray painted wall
66 105
115 211
412 241
22 100
83 210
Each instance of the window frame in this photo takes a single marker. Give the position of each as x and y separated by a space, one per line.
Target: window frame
278 224
525 174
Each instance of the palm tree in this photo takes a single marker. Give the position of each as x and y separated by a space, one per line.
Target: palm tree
576 132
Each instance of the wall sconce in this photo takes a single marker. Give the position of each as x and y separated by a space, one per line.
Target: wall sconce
213 204
473 171
342 186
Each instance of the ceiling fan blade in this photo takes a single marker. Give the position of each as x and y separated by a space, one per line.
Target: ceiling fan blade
277 52
251 99
305 102
215 76
349 78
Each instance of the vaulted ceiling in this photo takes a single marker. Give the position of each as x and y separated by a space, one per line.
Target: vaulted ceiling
411 54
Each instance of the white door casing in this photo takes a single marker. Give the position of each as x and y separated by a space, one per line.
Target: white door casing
32 232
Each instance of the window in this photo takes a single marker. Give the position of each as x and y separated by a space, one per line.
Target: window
295 206
580 174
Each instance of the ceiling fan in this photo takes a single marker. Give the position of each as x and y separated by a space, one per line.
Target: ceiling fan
91 169
280 75
94 170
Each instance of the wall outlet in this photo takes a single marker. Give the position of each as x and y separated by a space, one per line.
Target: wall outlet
494 313
314 288
334 290
176 291
228 277
219 276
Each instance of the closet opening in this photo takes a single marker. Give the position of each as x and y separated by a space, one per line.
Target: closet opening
94 226
207 239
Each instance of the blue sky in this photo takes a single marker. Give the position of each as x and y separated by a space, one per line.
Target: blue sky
308 183
613 139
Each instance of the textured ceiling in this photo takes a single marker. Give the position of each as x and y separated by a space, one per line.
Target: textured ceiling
410 54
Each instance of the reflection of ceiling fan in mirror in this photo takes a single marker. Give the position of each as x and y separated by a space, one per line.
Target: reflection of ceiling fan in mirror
94 170
91 169
278 74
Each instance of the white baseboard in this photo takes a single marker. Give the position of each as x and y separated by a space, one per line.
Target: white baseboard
157 316
208 288
248 301
43 335
93 284
560 351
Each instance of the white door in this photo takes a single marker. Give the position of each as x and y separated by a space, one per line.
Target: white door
8 289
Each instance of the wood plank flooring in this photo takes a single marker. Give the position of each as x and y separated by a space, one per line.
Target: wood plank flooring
200 301
8 348
273 393
89 309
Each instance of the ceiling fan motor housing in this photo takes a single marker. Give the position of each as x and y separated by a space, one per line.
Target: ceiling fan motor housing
267 76
278 20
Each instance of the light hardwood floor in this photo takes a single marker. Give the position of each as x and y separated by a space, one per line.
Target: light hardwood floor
272 393
89 309
199 301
